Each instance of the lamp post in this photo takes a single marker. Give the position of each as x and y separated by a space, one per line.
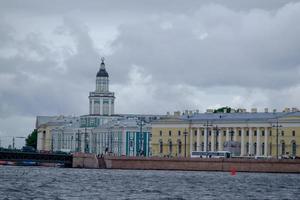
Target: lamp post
14 138
185 134
277 126
216 128
206 125
141 123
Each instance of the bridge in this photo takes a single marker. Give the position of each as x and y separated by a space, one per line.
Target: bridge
18 158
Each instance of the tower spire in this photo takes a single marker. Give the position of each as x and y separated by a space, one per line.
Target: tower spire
102 71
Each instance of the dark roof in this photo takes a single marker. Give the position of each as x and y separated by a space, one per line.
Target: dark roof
102 71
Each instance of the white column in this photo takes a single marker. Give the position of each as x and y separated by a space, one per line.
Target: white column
198 139
92 142
82 138
235 134
205 139
93 107
101 106
266 141
124 142
101 143
242 141
220 140
74 142
191 141
258 146
250 141
212 140
227 135
109 107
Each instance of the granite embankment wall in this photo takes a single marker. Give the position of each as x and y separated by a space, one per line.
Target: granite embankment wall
155 163
89 161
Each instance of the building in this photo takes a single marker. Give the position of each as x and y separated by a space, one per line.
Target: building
120 137
253 133
101 131
44 126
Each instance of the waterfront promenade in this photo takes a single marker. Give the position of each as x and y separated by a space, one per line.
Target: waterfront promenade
186 164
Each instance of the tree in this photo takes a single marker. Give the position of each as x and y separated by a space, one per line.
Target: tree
223 110
31 139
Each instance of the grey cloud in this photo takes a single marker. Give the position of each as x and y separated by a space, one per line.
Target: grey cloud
198 54
249 49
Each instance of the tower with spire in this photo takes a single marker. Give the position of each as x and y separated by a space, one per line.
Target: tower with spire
102 100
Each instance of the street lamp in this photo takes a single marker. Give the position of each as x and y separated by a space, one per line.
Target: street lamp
185 134
141 123
217 129
207 124
277 126
13 146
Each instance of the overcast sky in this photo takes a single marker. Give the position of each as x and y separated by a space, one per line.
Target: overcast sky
161 56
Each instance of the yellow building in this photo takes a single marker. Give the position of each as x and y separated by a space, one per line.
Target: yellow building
253 134
45 125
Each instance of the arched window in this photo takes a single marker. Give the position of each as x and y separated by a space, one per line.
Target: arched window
282 148
160 146
294 148
179 147
263 148
254 148
170 147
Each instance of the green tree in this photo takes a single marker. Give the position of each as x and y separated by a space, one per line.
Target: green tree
222 109
31 139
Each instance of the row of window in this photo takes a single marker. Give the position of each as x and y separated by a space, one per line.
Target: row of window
282 148
230 132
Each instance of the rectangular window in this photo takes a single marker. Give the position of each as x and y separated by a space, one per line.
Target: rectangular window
263 133
294 133
270 133
179 133
160 133
195 133
224 133
209 133
202 133
240 132
170 133
255 132
282 133
247 132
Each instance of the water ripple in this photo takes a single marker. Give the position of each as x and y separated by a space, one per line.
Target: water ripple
57 183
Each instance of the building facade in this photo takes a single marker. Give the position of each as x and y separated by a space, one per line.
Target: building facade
122 137
253 134
44 126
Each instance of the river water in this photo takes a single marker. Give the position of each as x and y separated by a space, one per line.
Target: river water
61 183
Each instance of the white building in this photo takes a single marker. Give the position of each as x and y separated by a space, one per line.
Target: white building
101 131
102 100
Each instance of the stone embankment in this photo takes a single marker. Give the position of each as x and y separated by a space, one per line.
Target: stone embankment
156 163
